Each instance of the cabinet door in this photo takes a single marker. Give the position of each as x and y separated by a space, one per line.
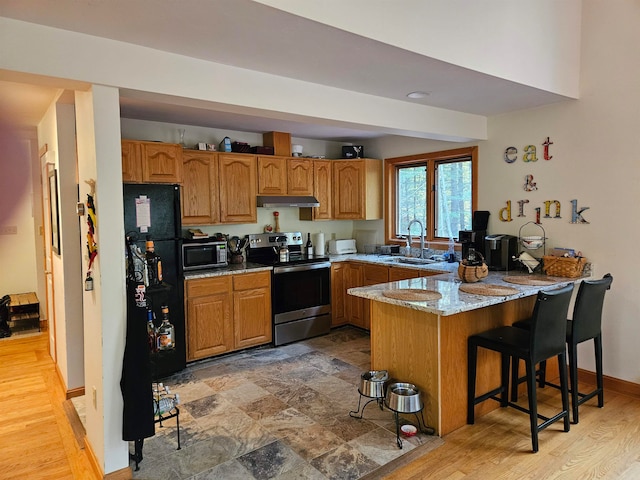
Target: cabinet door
400 273
354 306
200 201
252 317
348 190
322 189
131 162
161 162
338 293
238 187
209 323
375 274
252 309
299 176
272 176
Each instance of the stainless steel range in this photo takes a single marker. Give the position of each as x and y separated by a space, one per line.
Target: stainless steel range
300 286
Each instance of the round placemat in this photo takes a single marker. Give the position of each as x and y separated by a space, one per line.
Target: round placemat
525 280
412 294
487 289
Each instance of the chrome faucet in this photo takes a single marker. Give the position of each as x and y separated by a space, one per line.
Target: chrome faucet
421 237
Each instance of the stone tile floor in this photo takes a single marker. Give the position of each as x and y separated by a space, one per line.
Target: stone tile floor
277 413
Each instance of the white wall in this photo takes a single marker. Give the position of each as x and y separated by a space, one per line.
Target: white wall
533 42
104 308
22 212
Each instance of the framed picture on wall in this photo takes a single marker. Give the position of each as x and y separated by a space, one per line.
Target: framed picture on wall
55 214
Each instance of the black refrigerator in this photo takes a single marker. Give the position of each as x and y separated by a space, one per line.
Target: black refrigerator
153 211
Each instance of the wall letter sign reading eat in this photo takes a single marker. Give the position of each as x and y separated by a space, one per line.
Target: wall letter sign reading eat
511 153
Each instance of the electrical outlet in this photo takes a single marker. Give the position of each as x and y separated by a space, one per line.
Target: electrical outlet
94 397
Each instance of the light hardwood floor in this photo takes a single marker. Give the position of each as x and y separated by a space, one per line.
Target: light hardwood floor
37 441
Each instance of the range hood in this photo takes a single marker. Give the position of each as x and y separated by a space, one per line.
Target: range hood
287 201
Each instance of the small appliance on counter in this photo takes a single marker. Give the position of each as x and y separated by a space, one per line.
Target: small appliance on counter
501 251
342 247
474 238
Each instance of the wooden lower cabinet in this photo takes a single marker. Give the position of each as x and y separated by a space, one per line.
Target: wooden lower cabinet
209 323
252 309
354 306
401 273
227 313
338 294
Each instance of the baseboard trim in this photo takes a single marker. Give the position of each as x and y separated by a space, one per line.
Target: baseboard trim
75 392
93 460
616 385
123 474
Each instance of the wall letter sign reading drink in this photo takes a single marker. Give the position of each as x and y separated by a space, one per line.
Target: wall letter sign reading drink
576 214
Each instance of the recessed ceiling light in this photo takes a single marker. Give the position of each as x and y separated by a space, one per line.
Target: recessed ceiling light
418 94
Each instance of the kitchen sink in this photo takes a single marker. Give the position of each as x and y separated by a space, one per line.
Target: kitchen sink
412 260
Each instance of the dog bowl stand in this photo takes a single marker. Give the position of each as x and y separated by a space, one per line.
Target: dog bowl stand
422 426
358 413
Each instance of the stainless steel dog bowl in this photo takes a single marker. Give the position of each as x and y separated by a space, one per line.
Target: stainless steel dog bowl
372 383
403 398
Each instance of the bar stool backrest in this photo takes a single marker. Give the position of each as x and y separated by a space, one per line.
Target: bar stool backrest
587 311
549 323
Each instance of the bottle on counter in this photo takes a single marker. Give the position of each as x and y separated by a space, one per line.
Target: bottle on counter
165 335
151 331
153 265
451 252
309 246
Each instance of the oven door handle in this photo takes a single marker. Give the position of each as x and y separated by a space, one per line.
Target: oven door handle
301 268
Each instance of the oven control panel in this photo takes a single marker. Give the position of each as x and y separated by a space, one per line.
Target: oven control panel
261 240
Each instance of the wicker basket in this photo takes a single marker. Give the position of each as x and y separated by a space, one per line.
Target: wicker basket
471 274
571 267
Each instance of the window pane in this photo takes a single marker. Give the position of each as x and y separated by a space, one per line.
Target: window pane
454 209
411 198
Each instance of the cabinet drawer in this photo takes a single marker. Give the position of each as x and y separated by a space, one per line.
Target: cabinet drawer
207 286
249 281
375 274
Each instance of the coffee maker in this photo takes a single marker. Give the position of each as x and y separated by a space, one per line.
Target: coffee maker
474 238
500 251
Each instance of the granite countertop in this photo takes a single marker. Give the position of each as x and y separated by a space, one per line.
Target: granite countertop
453 300
393 260
231 269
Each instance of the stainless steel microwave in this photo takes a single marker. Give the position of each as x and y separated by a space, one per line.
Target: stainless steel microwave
203 254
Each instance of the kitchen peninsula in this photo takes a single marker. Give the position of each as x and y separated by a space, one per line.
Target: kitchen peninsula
425 342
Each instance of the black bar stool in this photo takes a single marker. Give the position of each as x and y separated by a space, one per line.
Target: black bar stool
544 340
585 325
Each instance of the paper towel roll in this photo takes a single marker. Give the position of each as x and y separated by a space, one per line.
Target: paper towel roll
318 244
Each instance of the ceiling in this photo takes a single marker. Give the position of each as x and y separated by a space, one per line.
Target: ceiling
247 34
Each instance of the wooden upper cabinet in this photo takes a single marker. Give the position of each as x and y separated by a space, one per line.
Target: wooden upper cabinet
285 176
238 187
322 181
200 200
299 176
131 162
272 176
161 162
322 189
151 162
357 189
